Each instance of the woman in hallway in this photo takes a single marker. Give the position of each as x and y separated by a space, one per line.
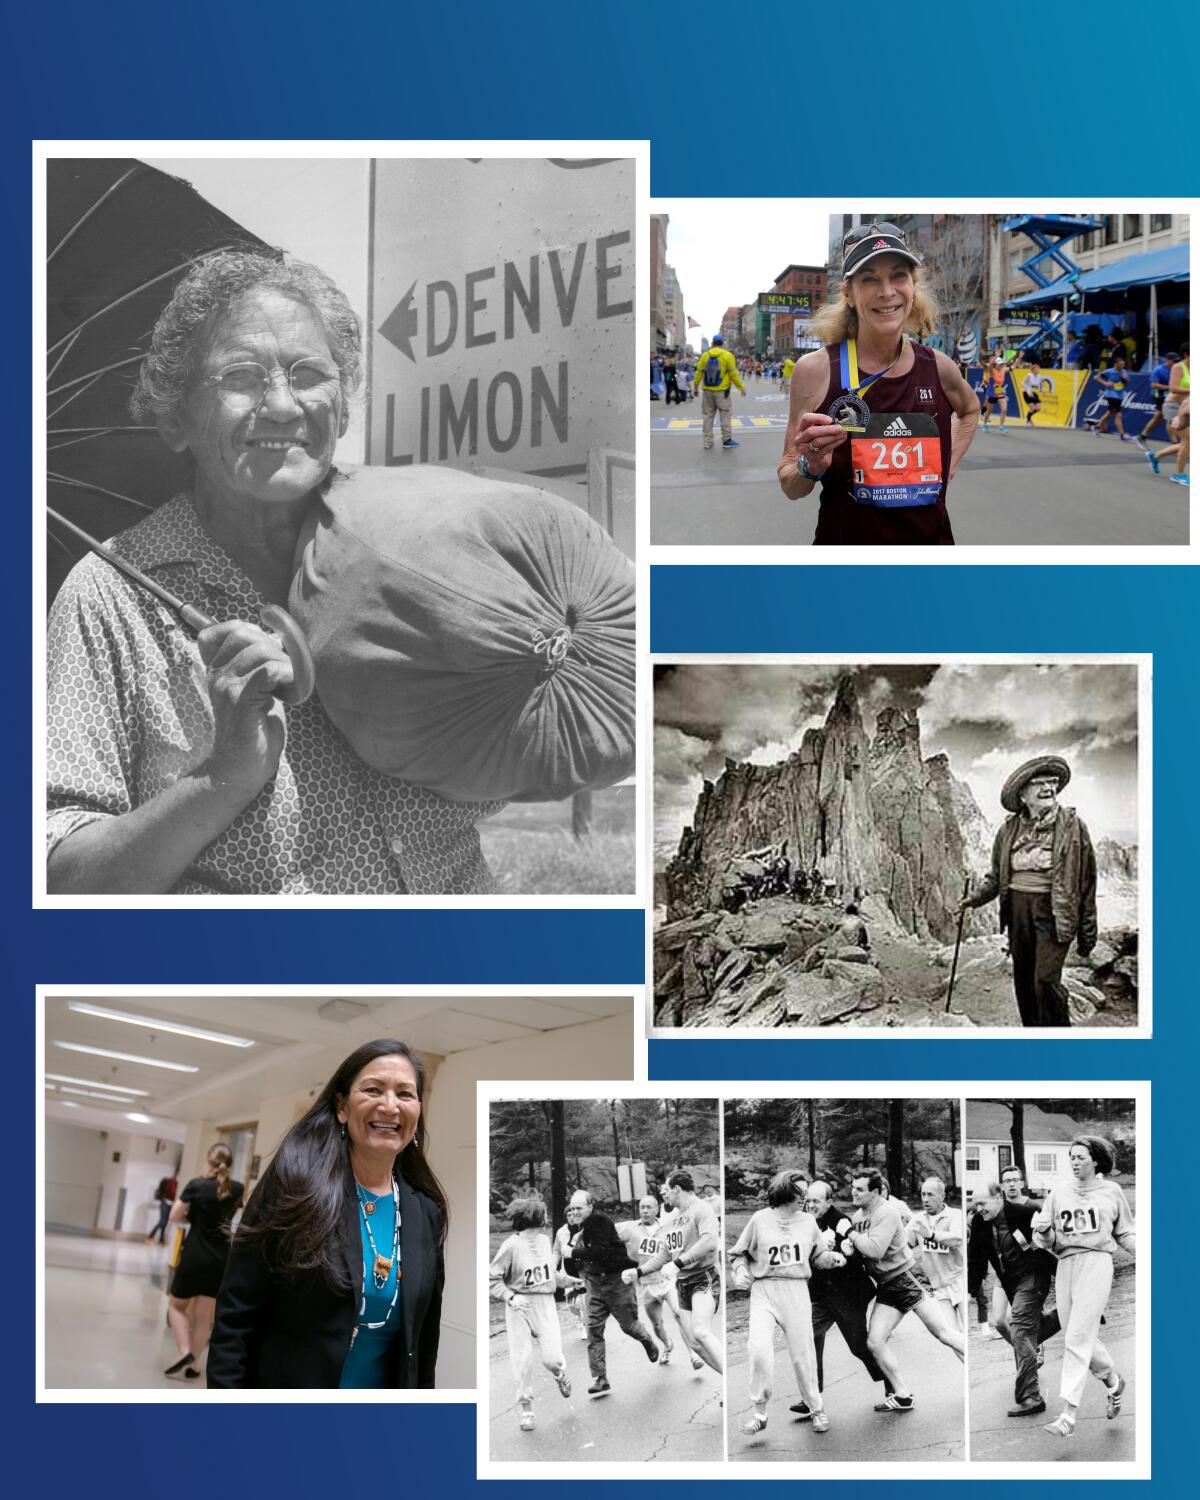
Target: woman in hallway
206 1206
314 1296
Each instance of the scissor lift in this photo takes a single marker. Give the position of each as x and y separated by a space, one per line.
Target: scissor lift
1050 233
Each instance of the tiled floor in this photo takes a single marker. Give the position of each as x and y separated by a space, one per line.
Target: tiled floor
106 1314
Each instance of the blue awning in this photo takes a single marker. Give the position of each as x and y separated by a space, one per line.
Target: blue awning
1172 263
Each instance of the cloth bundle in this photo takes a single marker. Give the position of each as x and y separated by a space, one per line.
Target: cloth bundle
471 636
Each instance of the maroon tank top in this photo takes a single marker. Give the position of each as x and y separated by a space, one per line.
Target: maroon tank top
883 487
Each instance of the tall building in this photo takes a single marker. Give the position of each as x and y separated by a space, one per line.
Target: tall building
790 331
731 326
676 319
658 293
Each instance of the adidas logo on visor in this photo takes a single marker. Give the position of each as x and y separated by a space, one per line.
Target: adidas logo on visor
880 245
897 429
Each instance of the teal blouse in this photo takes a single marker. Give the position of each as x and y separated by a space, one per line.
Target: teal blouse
366 1364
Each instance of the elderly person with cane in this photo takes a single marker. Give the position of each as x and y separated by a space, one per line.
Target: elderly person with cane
1044 874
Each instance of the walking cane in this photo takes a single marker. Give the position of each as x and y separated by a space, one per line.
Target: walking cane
962 916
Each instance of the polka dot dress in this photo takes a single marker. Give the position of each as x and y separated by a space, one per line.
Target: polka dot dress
128 715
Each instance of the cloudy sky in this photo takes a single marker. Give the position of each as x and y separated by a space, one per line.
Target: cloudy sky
986 718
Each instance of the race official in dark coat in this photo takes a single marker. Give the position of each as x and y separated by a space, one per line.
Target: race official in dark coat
1002 1232
598 1254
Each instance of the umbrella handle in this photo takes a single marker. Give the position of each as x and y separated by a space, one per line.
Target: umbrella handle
304 678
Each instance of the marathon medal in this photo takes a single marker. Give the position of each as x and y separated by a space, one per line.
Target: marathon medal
849 410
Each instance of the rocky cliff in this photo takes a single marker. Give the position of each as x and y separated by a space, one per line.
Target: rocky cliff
870 813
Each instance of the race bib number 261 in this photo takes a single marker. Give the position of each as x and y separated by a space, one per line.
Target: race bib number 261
897 461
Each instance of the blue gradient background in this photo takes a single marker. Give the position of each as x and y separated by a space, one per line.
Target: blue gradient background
800 108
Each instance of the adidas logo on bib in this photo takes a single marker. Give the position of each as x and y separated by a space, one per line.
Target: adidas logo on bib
897 429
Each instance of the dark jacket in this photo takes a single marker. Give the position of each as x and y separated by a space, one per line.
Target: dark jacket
1035 1263
1072 878
277 1333
598 1250
848 1283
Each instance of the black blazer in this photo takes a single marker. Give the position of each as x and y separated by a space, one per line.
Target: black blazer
277 1333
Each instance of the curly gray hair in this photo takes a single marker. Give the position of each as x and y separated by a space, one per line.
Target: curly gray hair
214 282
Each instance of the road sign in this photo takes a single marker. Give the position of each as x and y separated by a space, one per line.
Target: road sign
502 312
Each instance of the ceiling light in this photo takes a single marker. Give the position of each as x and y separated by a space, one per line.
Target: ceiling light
92 1083
129 1057
154 1024
93 1094
141 1119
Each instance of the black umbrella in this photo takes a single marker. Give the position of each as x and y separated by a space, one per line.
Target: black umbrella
119 236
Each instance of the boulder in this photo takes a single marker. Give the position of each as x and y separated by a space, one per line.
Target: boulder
1127 968
1082 1010
678 934
1101 956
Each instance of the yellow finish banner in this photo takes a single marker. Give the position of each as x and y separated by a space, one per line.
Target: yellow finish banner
1058 389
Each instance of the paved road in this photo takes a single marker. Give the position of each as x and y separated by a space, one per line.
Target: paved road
1034 486
1000 1438
652 1413
933 1430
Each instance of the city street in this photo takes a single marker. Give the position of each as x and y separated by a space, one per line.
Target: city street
933 1430
653 1412
1031 487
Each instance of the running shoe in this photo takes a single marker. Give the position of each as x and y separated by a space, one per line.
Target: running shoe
563 1384
802 1412
1125 437
1114 1395
1003 430
665 1358
599 1387
526 1421
1138 440
753 1425
989 1333
1179 479
651 1352
896 1403
1152 460
731 443
820 1421
1061 1427
697 1364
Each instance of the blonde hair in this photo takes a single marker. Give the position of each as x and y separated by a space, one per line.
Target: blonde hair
837 320
220 1159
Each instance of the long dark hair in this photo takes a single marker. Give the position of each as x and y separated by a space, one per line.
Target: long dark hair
296 1209
220 1159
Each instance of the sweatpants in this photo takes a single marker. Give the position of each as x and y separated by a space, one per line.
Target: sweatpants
525 1324
717 402
784 1304
1081 1287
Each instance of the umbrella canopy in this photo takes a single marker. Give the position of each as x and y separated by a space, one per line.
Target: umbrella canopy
119 237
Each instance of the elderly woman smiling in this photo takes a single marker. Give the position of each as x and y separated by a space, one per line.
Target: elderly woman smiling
173 766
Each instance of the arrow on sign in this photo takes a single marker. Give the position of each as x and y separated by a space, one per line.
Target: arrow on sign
400 326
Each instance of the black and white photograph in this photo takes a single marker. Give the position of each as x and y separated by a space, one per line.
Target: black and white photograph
1052 1255
954 844
845 1248
339 566
606 1329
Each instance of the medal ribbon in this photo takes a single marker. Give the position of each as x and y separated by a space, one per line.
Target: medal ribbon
849 362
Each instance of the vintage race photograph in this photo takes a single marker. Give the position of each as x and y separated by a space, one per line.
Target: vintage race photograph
887 379
339 495
852 845
606 1329
846 1257
1052 1257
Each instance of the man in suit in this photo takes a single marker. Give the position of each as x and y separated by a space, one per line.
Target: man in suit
598 1254
1026 1274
